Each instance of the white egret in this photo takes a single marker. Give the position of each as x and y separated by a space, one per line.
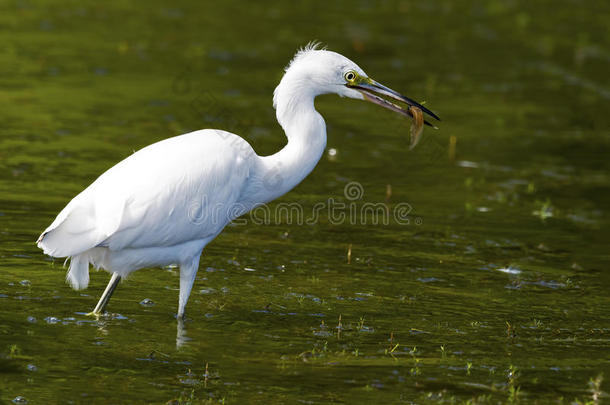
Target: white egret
163 204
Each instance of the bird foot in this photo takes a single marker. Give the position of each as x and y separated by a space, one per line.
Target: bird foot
94 314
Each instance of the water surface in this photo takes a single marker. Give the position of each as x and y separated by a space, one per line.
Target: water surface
492 289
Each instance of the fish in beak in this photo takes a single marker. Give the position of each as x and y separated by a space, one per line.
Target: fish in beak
381 95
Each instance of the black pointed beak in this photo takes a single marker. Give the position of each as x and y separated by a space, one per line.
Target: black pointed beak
372 91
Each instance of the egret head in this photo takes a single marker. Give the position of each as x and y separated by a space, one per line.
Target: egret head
321 71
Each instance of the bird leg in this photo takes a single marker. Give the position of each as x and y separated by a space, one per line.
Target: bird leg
188 271
112 284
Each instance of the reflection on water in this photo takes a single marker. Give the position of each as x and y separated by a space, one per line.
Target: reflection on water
181 337
497 294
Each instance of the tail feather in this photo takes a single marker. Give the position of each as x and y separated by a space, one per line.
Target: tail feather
70 234
78 273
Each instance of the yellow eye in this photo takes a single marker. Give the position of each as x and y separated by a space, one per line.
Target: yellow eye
350 76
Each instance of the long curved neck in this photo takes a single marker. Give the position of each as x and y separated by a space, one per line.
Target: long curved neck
306 132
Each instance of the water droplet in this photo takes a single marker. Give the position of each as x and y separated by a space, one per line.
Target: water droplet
147 302
509 270
466 163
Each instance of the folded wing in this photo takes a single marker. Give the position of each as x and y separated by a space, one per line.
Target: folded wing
180 189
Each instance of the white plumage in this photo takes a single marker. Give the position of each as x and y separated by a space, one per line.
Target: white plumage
159 206
164 203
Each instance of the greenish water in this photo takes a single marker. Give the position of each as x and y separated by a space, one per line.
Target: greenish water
496 291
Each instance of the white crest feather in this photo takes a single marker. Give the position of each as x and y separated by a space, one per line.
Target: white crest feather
302 52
